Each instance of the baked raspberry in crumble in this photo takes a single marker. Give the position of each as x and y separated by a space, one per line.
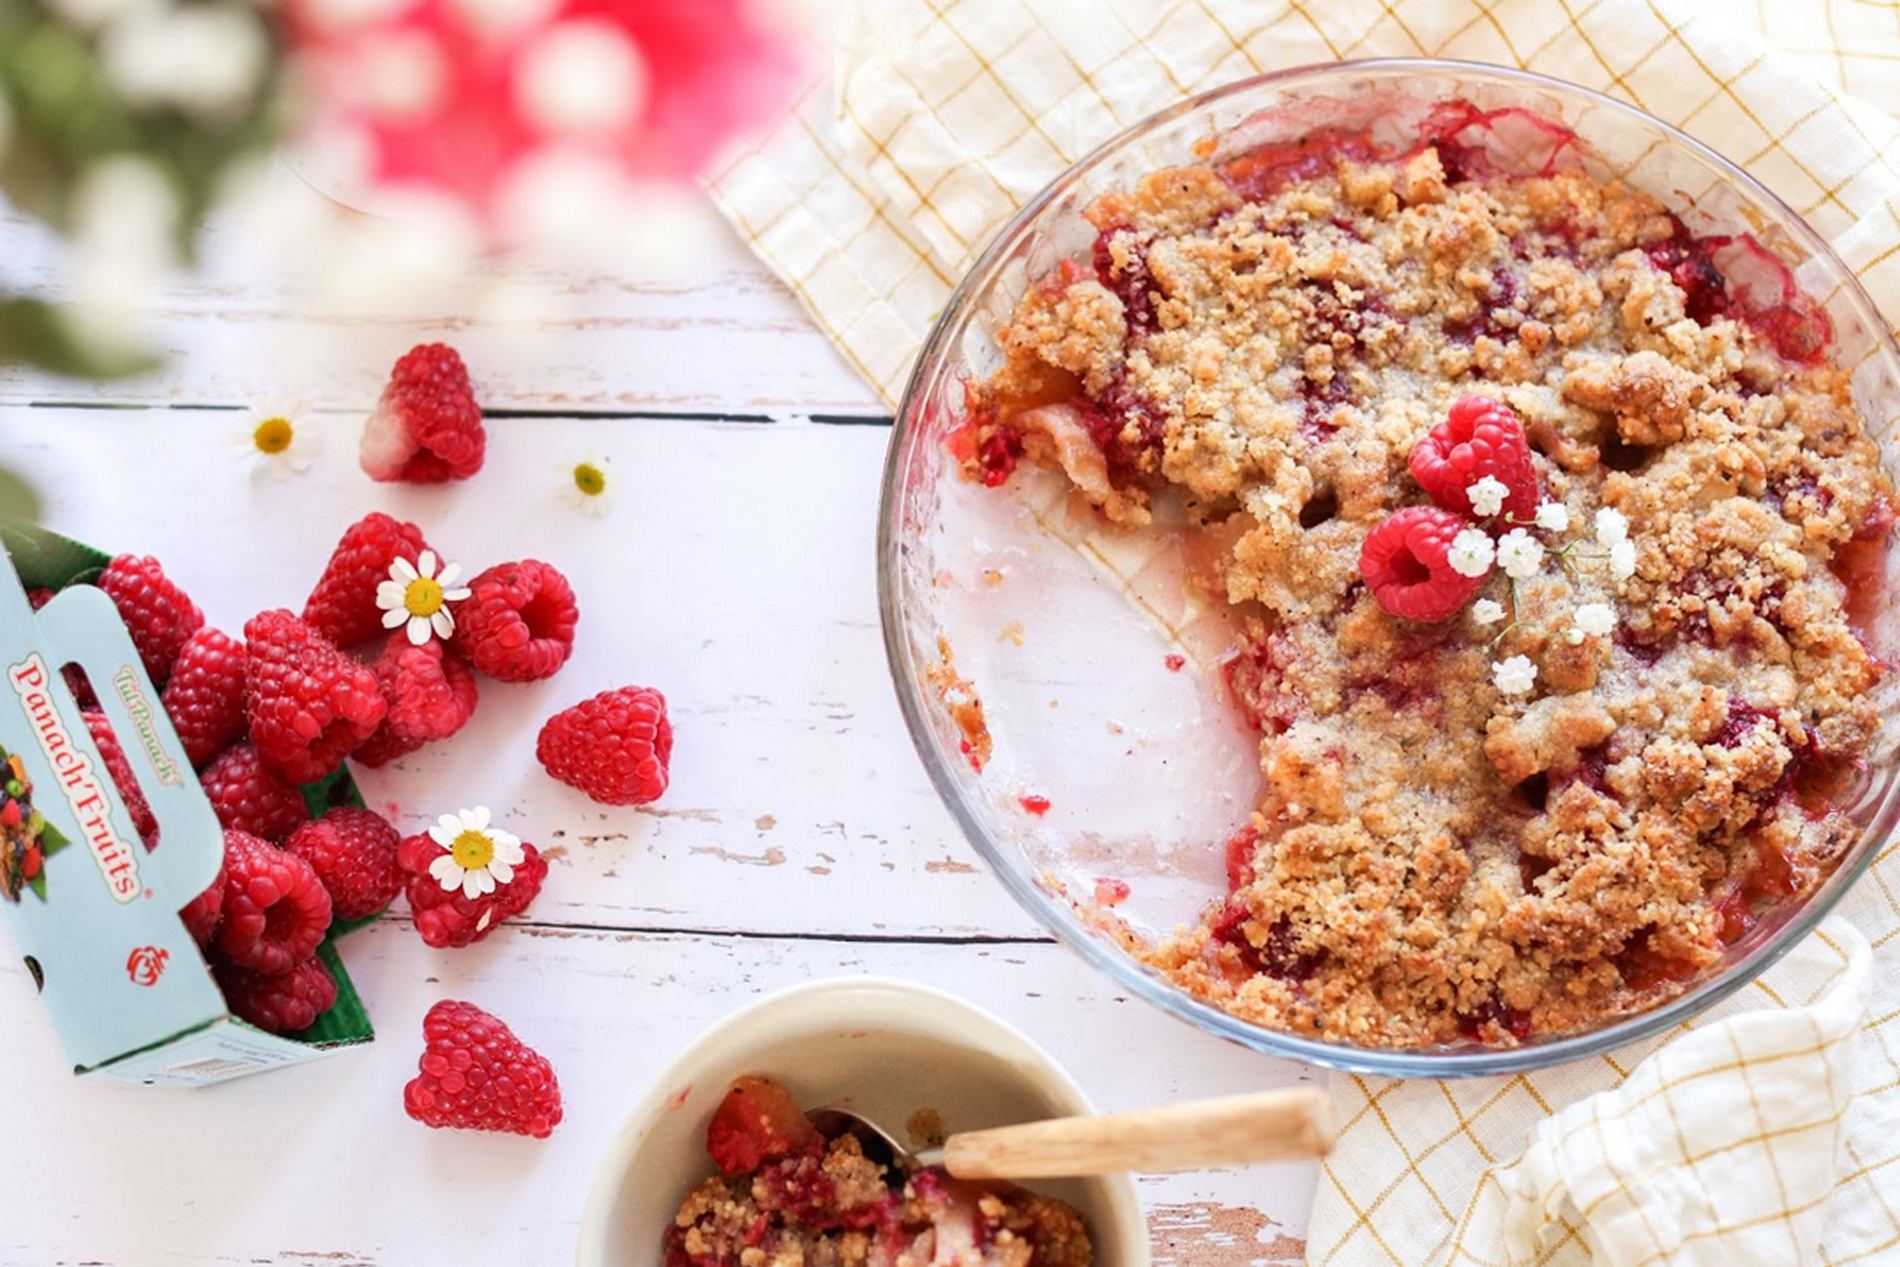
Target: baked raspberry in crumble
788 1197
1538 746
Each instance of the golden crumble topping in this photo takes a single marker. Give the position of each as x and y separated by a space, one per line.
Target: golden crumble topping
1436 861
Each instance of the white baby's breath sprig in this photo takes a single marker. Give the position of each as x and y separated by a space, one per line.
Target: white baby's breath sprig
1514 676
1594 620
1552 517
1487 496
1471 553
1520 554
1623 559
1611 526
1487 611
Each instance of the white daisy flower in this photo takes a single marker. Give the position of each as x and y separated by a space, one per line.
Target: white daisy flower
1515 675
1487 611
477 858
587 484
1623 560
1552 517
418 596
1594 619
1487 495
274 439
1612 526
1470 553
1520 554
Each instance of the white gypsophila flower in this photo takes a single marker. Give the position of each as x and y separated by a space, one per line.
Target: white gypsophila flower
400 74
587 484
1487 495
1623 560
1470 553
201 58
1520 554
1487 611
416 597
581 76
477 858
1514 676
275 440
123 215
1611 526
1573 636
1552 517
1594 619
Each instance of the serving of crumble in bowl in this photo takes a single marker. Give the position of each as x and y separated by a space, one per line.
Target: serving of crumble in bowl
1388 561
706 1170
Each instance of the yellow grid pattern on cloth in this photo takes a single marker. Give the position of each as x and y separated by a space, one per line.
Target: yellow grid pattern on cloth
939 118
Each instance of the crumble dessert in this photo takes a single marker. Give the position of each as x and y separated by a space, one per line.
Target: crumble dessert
786 1196
1552 531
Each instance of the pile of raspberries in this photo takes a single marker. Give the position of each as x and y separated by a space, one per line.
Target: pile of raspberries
285 705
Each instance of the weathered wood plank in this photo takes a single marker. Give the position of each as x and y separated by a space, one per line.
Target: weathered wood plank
317 1164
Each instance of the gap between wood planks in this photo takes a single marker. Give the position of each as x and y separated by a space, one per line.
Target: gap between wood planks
559 928
504 414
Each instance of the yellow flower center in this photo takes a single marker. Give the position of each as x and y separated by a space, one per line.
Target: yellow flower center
273 435
423 597
472 850
590 479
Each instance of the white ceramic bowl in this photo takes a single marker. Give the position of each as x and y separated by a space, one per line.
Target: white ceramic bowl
884 1047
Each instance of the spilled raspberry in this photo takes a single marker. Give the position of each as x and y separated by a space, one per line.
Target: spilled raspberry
353 852
205 696
518 622
157 614
281 1003
342 606
427 428
475 1075
427 695
614 747
309 706
275 909
249 796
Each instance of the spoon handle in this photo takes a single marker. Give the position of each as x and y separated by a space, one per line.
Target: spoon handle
1285 1125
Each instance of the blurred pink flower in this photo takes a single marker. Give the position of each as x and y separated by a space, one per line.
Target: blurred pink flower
473 98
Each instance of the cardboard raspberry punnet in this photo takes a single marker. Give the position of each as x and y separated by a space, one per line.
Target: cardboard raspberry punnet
93 910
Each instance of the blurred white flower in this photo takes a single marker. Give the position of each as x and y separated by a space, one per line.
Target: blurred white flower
1470 553
1487 495
398 74
1553 517
200 58
498 19
581 76
1487 611
1514 676
1520 554
123 219
275 441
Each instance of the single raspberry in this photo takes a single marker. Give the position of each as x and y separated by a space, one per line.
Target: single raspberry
39 596
614 747
156 612
427 695
202 913
342 607
427 428
205 696
122 777
1479 437
449 918
475 1075
249 796
517 624
275 909
282 1003
1406 563
353 852
757 1122
309 706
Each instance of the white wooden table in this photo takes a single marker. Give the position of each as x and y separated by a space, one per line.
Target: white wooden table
799 837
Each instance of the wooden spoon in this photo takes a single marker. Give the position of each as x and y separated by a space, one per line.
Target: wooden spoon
1286 1125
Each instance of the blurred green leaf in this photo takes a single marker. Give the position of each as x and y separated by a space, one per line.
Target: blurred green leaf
32 333
18 500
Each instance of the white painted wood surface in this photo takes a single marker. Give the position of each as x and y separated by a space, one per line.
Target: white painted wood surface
799 838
